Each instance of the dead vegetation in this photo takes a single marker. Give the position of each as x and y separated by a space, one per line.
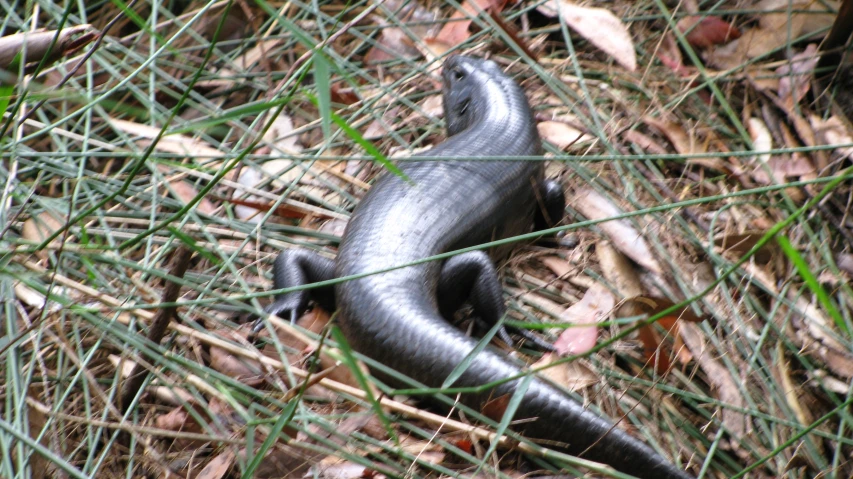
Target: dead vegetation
699 288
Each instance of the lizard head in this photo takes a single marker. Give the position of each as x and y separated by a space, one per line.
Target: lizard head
463 79
475 89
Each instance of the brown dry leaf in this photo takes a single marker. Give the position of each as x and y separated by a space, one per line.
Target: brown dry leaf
44 43
774 31
593 308
315 321
178 144
792 390
557 265
816 16
618 270
174 396
33 298
342 470
561 135
249 207
836 354
781 167
655 349
282 137
833 131
845 262
247 371
343 94
813 325
717 374
738 244
188 193
669 54
227 77
598 26
653 305
455 31
763 79
38 228
795 77
573 376
293 460
178 419
685 143
621 233
395 43
37 420
495 408
705 32
286 461
432 107
762 141
219 466
645 142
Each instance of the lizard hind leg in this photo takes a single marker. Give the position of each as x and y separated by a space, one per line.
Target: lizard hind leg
552 205
472 277
298 267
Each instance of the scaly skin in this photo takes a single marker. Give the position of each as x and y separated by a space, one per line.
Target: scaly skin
395 317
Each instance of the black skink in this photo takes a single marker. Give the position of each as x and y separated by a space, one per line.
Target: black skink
398 317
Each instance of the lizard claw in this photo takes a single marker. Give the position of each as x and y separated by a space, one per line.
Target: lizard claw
283 309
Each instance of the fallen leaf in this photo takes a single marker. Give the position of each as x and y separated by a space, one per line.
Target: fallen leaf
762 142
558 266
738 244
618 270
774 31
281 136
685 143
342 94
705 32
599 27
574 375
833 131
495 408
845 262
37 422
653 305
655 349
38 228
793 392
645 142
343 470
395 43
621 233
47 45
219 466
172 143
187 193
455 31
593 308
669 54
247 371
286 461
795 76
560 134
465 445
719 376
178 419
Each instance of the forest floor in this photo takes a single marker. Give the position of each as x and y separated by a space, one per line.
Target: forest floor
698 290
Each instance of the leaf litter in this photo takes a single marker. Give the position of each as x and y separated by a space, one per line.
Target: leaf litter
705 158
